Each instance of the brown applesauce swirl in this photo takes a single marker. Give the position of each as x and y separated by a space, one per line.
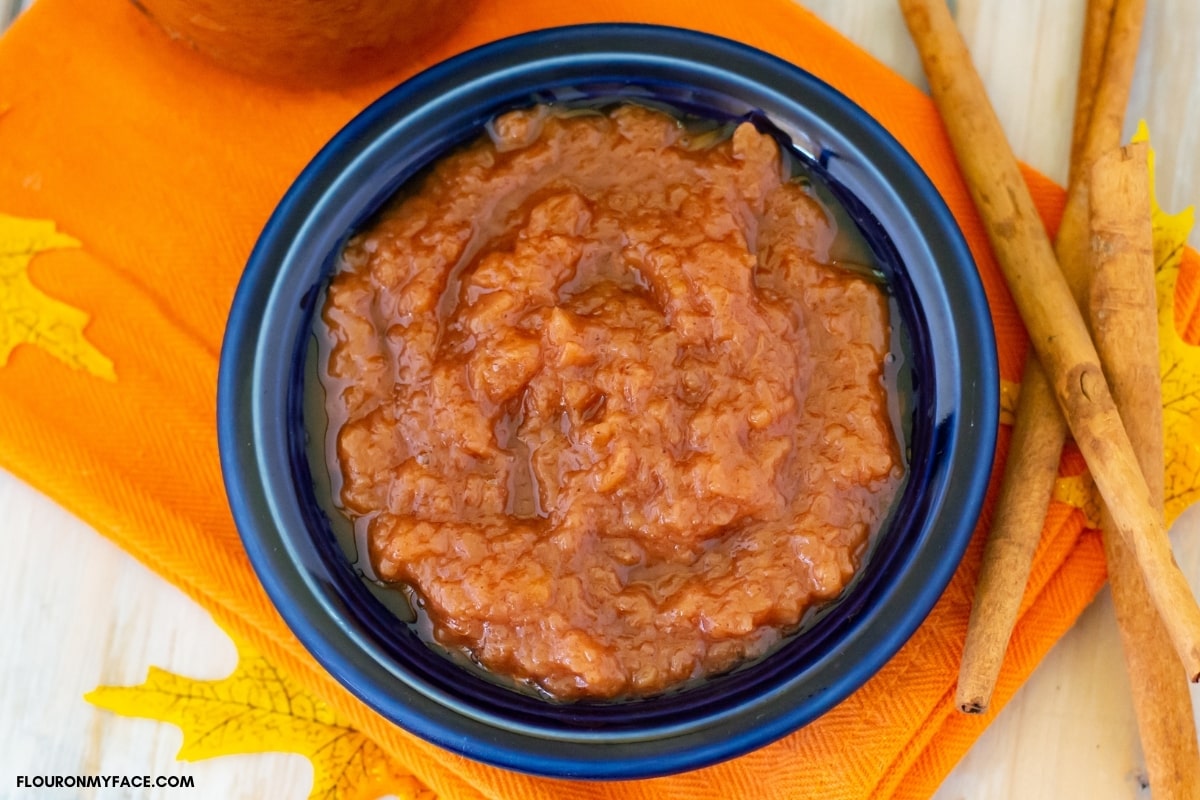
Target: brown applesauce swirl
609 410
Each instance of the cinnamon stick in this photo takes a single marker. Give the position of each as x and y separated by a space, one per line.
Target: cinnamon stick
1123 313
1017 521
1097 22
1056 326
1039 429
1103 135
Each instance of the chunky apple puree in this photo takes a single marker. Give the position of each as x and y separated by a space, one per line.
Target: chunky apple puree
605 405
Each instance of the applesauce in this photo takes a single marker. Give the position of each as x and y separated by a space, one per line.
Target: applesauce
603 400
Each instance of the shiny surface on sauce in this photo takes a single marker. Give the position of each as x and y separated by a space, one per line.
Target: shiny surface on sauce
607 408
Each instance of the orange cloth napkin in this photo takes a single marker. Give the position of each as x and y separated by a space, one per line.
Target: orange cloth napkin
166 168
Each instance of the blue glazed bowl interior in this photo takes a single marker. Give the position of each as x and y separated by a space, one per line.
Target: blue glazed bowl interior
950 404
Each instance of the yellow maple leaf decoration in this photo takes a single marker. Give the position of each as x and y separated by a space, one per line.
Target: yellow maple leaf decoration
1080 491
257 709
1179 364
30 316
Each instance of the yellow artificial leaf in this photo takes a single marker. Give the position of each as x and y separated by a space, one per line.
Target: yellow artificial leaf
28 315
1179 362
258 710
1180 370
1080 491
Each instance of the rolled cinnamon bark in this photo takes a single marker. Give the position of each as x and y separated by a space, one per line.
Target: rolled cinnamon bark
1123 311
1106 117
1097 22
1017 522
1106 71
1056 326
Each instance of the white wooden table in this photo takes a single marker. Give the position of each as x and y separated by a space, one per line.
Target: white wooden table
76 611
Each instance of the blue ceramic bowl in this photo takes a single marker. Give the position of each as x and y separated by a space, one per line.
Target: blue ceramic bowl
950 408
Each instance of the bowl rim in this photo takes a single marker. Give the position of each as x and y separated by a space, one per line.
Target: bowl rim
260 486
